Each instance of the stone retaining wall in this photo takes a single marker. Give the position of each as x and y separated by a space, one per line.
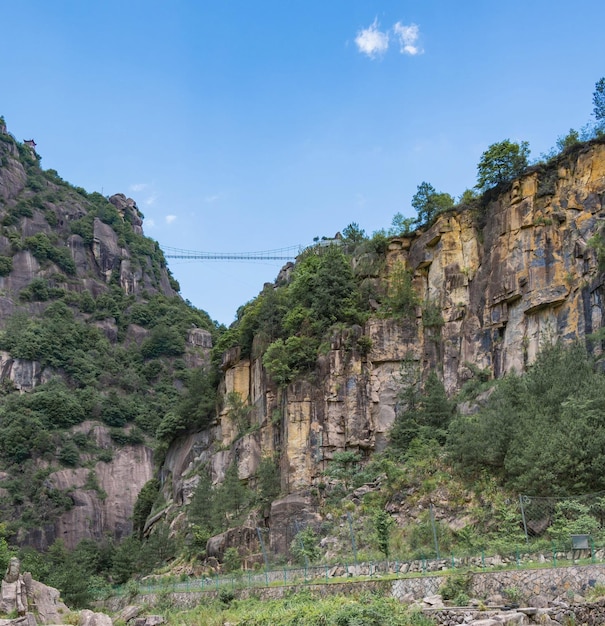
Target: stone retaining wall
563 583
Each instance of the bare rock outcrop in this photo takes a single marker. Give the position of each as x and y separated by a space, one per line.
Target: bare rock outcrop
22 595
108 509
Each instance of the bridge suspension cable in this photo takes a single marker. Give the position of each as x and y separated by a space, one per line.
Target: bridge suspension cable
281 254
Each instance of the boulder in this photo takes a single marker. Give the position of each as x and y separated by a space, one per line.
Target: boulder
13 596
539 602
89 618
150 620
45 601
129 612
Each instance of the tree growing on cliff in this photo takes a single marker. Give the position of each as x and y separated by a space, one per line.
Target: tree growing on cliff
501 162
598 101
429 203
425 416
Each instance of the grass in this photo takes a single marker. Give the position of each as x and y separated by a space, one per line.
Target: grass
301 609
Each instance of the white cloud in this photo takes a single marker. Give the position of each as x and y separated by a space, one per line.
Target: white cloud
408 36
371 41
150 200
210 199
138 187
170 219
149 223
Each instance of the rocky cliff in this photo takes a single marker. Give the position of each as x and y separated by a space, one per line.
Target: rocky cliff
98 352
82 292
502 277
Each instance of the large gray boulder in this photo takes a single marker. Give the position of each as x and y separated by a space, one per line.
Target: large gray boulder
90 618
45 601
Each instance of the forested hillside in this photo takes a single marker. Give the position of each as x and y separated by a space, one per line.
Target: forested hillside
447 364
102 361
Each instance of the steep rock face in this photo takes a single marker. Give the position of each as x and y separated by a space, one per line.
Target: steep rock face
103 496
44 206
89 252
501 282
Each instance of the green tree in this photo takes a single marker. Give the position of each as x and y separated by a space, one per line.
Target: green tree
287 360
401 226
197 405
6 552
143 505
163 341
566 141
598 101
401 300
501 162
424 415
353 233
429 203
269 484
343 467
543 432
324 285
383 525
238 412
305 546
201 508
467 197
6 265
231 497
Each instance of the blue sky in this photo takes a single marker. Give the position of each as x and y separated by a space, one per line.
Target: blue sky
242 125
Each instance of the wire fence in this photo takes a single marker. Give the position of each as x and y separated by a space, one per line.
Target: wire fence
549 531
558 517
557 555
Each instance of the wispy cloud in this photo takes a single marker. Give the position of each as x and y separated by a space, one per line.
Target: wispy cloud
170 219
408 36
371 41
374 42
211 199
149 223
138 186
149 201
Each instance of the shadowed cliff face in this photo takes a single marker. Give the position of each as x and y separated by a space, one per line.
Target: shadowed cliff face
526 276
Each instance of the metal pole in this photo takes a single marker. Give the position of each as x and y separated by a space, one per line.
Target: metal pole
434 530
523 516
352 538
302 547
262 546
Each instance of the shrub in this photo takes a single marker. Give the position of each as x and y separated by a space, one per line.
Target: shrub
6 265
163 341
456 585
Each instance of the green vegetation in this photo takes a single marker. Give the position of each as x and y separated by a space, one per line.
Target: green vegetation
429 204
540 433
305 546
401 300
383 525
304 609
288 323
104 354
425 410
119 358
43 249
598 101
501 162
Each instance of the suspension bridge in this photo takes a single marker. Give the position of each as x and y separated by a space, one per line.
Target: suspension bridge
281 254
